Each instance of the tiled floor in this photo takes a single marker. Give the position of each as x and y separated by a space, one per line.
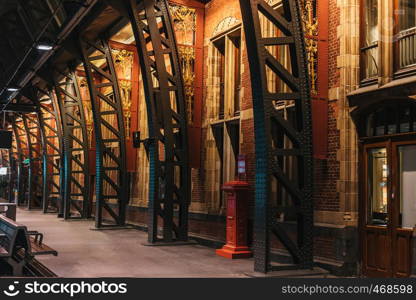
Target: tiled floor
120 253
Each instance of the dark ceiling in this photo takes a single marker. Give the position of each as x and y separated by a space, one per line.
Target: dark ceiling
25 24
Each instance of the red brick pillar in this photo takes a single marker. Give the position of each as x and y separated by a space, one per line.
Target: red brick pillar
237 214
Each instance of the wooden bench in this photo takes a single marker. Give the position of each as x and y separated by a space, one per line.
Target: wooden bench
9 210
18 246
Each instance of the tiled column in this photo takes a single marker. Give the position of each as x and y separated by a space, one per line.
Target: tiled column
348 64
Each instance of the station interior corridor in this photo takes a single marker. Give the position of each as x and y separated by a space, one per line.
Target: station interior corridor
86 252
278 132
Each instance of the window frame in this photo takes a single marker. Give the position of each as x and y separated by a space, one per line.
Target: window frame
230 36
364 81
400 72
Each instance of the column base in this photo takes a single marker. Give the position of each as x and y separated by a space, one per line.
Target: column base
232 252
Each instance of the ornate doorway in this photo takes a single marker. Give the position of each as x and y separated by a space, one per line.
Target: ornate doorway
388 197
389 216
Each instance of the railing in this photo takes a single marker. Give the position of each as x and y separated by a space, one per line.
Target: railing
406 47
369 61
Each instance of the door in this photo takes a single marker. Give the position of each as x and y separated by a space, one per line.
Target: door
404 206
389 211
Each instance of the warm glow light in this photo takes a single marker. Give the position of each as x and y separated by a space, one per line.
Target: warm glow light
3 171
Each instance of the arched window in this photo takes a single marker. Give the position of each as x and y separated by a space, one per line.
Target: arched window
396 118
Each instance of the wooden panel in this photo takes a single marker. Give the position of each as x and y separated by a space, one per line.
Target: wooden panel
402 256
370 243
386 251
382 251
377 256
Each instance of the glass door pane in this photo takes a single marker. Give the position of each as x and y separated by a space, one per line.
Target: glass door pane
377 187
407 173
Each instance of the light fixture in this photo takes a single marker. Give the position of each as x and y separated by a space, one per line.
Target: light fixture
44 46
12 89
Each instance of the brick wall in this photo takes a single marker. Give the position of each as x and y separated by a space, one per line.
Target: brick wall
327 171
216 11
334 44
324 247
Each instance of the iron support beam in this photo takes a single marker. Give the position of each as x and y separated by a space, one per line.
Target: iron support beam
22 151
76 195
271 128
112 185
51 131
5 163
21 108
34 139
169 182
15 167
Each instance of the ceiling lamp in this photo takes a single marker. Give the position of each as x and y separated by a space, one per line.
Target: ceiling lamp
43 46
12 89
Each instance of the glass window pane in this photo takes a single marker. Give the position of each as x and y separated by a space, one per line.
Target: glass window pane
404 118
370 125
377 186
370 50
370 22
406 37
407 171
380 122
406 14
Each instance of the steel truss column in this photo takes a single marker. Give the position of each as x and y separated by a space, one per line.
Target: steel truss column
51 131
5 163
75 147
15 167
112 186
169 183
271 127
34 139
23 154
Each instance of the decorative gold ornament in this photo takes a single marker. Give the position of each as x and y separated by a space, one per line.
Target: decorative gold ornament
181 15
124 59
125 91
187 60
184 21
83 82
88 120
310 26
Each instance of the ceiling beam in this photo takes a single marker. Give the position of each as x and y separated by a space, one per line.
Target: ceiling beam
20 108
65 31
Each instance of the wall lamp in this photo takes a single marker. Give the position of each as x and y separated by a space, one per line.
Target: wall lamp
137 140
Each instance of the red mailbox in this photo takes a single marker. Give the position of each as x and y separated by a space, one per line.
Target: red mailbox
237 214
